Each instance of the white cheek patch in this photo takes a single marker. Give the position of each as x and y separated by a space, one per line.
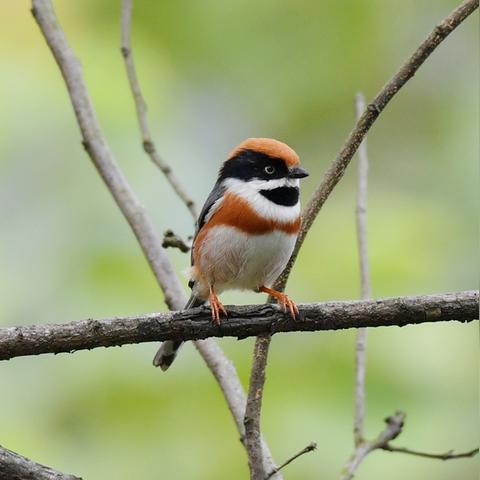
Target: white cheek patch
272 184
250 191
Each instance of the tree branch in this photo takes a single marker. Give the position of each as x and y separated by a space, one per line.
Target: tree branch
309 448
361 220
17 467
227 378
391 431
243 321
394 427
254 407
102 157
336 170
172 240
450 455
141 108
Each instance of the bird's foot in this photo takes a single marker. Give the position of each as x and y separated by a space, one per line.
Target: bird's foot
216 307
283 300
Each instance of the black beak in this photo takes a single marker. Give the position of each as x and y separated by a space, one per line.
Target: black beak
297 172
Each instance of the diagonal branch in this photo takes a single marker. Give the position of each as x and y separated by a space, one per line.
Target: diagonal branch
17 467
336 170
309 448
141 108
102 157
243 321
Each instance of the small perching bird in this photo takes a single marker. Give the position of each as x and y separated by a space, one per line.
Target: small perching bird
246 230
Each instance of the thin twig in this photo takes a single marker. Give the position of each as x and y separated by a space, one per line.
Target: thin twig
253 409
450 455
309 448
141 108
17 467
243 321
336 170
361 221
172 240
391 431
361 206
102 157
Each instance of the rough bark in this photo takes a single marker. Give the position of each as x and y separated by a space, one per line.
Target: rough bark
242 322
16 467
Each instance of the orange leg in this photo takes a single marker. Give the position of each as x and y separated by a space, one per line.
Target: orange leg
216 307
282 299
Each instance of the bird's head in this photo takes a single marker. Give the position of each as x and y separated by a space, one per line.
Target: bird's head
263 164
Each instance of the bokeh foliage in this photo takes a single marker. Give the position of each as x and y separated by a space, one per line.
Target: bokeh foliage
215 73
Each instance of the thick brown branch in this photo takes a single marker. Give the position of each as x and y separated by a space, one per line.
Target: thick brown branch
336 170
243 321
141 108
16 467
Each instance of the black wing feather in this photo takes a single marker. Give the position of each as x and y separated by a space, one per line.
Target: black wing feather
216 193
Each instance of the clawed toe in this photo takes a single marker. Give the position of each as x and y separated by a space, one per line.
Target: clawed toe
216 307
287 304
292 307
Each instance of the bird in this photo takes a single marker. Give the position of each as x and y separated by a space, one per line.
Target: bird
246 231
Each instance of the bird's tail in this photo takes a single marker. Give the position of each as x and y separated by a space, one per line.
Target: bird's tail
168 350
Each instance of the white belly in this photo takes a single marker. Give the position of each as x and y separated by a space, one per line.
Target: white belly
232 259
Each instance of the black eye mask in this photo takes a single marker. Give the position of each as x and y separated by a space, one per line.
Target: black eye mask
249 164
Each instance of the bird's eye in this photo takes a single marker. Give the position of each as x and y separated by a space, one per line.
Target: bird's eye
269 169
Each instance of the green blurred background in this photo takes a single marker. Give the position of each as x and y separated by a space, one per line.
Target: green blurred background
213 74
